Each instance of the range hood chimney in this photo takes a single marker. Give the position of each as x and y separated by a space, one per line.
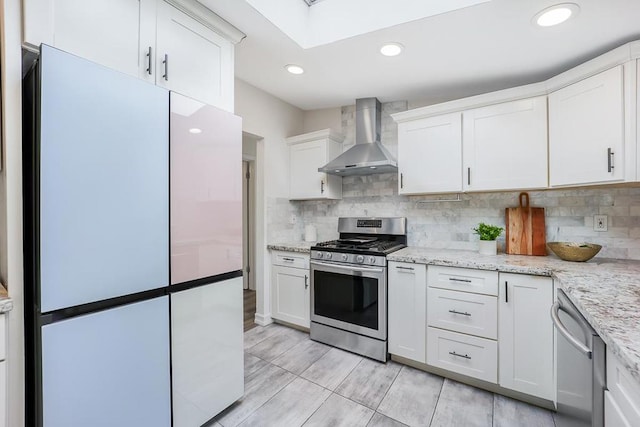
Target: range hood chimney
368 155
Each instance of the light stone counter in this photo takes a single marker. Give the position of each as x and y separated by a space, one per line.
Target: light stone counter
606 291
6 303
301 247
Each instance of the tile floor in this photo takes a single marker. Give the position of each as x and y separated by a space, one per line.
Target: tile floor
293 381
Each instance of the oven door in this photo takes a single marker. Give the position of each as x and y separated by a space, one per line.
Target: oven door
349 297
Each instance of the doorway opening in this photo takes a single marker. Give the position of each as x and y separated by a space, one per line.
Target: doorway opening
249 151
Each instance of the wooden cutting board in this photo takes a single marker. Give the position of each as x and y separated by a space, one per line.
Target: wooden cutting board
525 233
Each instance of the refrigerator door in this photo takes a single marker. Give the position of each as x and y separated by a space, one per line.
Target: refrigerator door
109 368
103 183
206 190
207 351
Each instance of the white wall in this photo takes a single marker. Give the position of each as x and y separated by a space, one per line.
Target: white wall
11 202
274 120
322 119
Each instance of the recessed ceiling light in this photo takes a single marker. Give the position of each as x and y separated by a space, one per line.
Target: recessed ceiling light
556 14
195 130
294 69
391 49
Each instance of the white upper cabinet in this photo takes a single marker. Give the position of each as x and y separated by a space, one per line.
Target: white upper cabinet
504 146
192 59
176 44
586 131
430 155
86 29
307 153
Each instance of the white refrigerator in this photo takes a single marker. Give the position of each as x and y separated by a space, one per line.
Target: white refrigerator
206 260
96 201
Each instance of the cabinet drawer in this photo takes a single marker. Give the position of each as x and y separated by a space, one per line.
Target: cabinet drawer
3 337
625 390
463 354
290 259
463 279
463 312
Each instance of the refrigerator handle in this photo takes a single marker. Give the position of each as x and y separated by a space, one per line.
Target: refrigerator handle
149 61
562 330
166 67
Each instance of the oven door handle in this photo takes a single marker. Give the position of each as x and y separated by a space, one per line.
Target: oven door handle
348 267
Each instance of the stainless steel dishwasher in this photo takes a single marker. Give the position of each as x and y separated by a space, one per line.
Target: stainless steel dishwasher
581 367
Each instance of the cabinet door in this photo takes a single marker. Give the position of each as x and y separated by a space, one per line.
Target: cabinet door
430 155
109 32
290 299
613 416
192 59
407 310
3 394
586 123
525 334
504 146
305 180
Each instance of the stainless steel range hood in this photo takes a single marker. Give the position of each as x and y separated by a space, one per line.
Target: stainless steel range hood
368 155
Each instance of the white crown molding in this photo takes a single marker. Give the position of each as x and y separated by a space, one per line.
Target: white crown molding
314 136
209 19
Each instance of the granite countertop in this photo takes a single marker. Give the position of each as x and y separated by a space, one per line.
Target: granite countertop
301 247
6 303
606 291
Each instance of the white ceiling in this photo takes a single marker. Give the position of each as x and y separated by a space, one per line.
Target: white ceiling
469 51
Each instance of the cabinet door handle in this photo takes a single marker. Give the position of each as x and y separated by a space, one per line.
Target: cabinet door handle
459 312
399 267
306 281
455 279
610 165
401 181
322 187
149 61
468 176
464 356
166 67
506 291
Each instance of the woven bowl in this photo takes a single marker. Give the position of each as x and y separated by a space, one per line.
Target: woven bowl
570 251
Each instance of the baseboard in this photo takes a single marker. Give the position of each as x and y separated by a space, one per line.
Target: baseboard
263 319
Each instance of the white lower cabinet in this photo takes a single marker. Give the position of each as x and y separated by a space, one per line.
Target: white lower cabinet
462 353
290 293
622 398
3 373
463 312
613 416
526 334
407 310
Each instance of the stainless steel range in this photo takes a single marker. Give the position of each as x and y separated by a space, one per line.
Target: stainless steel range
349 285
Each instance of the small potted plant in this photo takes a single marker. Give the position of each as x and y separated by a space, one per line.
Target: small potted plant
488 234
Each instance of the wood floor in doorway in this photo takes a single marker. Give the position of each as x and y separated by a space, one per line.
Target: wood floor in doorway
249 309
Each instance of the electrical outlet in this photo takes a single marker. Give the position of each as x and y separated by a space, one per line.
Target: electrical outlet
600 223
293 219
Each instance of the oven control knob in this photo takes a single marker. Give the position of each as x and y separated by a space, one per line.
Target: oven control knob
372 260
320 254
328 255
360 259
345 257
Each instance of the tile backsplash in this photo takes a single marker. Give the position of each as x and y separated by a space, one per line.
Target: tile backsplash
433 222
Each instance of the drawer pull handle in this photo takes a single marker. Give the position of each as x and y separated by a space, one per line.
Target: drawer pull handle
306 281
288 259
399 267
459 312
454 279
464 356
